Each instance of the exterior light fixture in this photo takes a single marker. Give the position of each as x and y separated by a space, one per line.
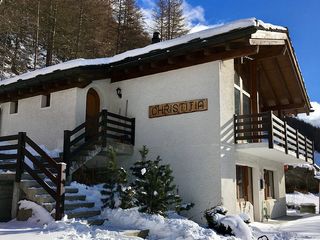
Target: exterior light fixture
119 93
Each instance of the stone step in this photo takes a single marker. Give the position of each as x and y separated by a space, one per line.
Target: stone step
40 190
27 176
96 222
69 205
33 183
46 198
83 213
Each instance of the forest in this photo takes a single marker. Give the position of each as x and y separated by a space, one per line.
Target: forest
39 33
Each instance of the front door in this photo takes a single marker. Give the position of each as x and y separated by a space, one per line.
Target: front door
92 113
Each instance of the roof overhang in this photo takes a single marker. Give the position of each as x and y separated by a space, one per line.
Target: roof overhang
272 49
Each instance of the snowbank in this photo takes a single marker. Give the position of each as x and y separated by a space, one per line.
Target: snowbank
305 228
239 228
220 29
173 227
298 198
39 214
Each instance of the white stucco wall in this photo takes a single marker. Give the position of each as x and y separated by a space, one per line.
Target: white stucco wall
189 142
228 166
44 125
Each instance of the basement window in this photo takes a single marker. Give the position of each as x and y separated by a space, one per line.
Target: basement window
13 107
269 184
45 100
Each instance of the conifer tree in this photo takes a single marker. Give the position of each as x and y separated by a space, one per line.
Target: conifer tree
154 189
129 26
115 192
169 19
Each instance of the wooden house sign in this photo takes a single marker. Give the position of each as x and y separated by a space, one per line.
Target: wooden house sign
168 109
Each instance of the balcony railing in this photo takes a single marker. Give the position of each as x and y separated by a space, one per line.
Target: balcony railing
266 127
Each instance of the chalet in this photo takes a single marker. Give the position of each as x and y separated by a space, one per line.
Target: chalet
212 104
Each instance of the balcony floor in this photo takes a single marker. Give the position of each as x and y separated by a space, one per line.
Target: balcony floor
276 154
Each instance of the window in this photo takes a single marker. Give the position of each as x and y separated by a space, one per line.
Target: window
269 184
241 96
244 183
14 107
45 100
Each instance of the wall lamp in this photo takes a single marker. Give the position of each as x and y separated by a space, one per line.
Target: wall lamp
119 92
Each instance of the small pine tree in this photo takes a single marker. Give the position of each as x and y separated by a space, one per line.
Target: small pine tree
154 188
115 192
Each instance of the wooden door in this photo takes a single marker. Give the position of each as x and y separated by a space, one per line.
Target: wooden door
92 113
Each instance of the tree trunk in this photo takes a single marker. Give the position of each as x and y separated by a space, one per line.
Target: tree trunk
36 44
52 31
80 23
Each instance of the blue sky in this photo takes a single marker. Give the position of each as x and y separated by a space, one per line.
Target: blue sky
302 17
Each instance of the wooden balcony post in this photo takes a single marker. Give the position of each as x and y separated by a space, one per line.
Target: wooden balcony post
270 134
235 128
66 150
285 137
60 191
20 155
313 157
133 130
305 148
104 127
297 143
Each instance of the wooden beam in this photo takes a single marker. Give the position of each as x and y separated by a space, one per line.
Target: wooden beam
284 107
254 87
266 42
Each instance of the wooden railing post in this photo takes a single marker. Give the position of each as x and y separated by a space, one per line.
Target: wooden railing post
66 150
104 127
133 130
60 191
20 155
306 148
313 156
235 128
285 137
270 134
297 143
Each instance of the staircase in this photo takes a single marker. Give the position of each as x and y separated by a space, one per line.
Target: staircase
114 129
46 181
75 205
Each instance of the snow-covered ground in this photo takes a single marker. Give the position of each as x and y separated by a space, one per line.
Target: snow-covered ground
297 198
304 228
42 226
173 227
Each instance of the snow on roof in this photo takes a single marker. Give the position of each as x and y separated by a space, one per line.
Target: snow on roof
239 24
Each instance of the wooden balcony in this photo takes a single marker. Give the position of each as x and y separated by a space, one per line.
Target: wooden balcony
265 130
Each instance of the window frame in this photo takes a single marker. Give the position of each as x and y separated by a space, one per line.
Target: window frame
247 183
269 189
45 101
242 93
14 107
